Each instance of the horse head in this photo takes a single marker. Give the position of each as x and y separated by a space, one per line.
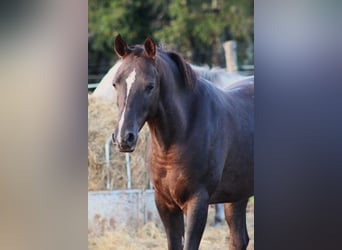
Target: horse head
137 86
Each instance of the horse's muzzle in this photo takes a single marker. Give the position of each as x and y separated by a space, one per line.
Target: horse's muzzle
127 142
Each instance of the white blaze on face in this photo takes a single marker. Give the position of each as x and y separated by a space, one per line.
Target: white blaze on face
129 81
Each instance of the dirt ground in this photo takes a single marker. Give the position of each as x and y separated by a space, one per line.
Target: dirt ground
152 236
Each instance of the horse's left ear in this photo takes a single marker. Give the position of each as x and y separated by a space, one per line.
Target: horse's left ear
150 47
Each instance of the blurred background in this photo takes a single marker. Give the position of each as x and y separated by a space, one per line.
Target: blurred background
196 29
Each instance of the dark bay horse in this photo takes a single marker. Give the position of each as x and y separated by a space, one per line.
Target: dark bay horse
201 149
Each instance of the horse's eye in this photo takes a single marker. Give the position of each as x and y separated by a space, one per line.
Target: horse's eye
114 85
149 87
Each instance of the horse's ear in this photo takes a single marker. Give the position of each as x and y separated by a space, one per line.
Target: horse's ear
150 47
120 46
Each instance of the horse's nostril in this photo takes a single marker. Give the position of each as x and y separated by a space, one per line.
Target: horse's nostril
130 137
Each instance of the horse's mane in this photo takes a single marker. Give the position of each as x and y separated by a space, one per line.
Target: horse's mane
186 71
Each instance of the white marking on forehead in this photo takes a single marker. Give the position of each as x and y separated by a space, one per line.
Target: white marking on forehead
130 80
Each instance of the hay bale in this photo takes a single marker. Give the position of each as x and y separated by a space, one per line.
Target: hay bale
102 119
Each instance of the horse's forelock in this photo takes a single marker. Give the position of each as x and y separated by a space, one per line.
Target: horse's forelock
136 50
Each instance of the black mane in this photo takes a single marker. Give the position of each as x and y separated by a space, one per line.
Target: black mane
185 70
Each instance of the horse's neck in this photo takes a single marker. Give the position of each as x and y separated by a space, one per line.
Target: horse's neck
172 120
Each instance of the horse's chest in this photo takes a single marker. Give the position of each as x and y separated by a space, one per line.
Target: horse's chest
168 176
171 180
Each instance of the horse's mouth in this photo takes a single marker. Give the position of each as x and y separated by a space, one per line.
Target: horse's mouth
126 150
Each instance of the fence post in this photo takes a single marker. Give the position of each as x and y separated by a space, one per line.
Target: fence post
107 152
231 56
128 171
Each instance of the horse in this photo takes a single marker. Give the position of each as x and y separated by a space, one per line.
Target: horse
105 86
201 149
218 76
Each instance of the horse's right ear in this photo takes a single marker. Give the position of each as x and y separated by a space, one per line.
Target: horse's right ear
120 46
150 47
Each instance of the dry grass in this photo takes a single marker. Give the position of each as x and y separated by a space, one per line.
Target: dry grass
102 119
152 236
147 237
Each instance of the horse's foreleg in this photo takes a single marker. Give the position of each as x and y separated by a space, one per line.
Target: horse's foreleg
173 221
236 218
196 218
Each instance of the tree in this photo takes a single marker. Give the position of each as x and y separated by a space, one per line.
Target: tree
134 20
196 29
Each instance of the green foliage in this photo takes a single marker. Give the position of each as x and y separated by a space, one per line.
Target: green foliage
195 28
132 19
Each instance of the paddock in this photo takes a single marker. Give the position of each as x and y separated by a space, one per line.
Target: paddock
140 227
